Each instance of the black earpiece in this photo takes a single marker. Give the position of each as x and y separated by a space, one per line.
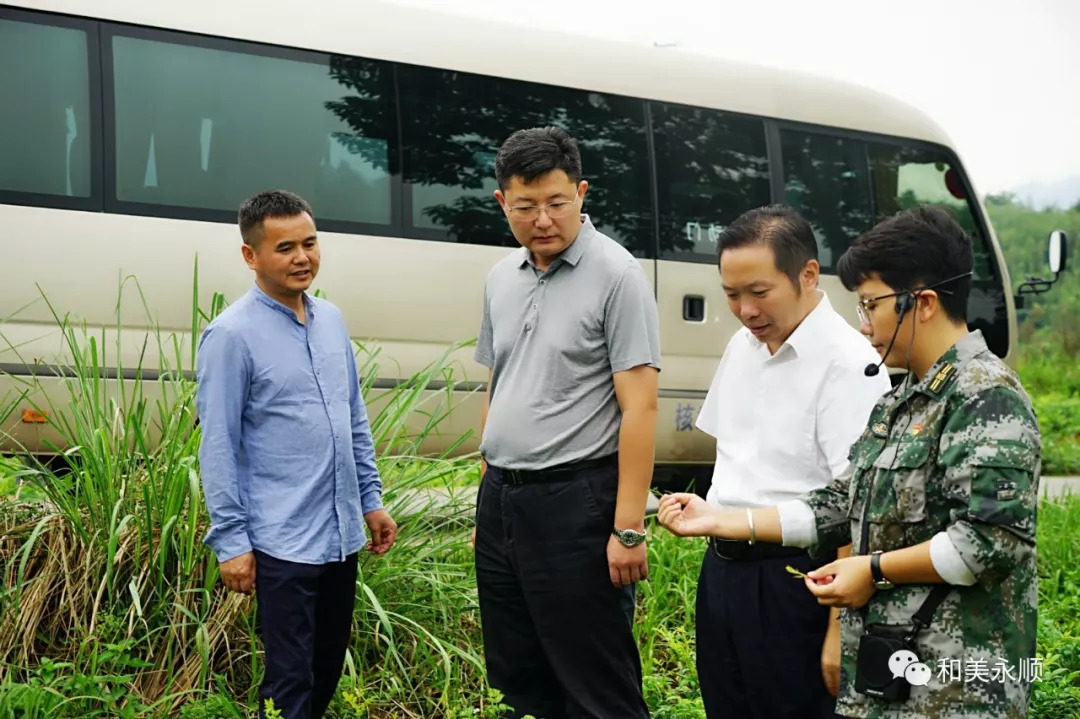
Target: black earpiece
904 303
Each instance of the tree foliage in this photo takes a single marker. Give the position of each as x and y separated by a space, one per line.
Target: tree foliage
1049 321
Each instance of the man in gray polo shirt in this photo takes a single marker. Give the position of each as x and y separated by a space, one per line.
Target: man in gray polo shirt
571 336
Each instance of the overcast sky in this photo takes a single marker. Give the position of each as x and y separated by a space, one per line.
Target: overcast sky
1002 77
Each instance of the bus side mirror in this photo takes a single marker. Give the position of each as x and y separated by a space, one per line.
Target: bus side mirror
1056 254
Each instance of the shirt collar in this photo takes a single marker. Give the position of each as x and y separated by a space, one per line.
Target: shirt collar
951 363
809 335
268 301
572 254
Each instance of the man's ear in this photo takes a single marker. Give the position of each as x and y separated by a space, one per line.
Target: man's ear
248 253
583 187
809 275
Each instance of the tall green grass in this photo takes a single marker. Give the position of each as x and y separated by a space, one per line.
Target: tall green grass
111 606
1053 380
1058 542
111 603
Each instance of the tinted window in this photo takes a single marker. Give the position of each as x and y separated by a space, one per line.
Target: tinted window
205 128
453 124
906 176
710 168
826 178
45 131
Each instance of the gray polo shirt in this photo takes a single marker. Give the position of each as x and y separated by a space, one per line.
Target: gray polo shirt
552 340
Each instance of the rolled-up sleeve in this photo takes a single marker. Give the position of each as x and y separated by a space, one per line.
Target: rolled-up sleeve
832 524
222 376
991 450
363 445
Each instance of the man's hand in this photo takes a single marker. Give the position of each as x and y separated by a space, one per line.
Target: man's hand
383 531
830 657
686 515
238 573
626 565
846 582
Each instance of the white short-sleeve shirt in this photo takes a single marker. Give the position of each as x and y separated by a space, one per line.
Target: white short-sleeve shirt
784 422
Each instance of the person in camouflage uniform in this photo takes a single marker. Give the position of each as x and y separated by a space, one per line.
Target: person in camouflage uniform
941 491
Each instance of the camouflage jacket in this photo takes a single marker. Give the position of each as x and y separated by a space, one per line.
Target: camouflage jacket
958 452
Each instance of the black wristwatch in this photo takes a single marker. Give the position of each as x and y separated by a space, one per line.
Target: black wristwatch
875 570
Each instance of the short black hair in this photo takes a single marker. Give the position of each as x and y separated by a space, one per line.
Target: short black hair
912 249
269 203
530 153
780 227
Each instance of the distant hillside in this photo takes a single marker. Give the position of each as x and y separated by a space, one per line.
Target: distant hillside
1040 195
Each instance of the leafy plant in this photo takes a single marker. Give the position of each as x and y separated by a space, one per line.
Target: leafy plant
110 604
1059 424
110 599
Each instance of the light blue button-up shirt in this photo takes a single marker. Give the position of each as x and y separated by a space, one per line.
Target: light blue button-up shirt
287 459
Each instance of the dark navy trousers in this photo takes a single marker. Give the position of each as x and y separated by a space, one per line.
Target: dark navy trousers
558 637
304 615
759 639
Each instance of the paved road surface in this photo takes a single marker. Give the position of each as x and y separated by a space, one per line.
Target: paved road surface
428 499
1057 486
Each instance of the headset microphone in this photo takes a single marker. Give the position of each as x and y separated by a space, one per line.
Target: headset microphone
872 369
903 304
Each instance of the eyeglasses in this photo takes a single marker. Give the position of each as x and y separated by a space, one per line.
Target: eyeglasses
863 306
531 213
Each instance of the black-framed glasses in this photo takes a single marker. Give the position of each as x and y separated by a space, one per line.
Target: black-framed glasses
862 308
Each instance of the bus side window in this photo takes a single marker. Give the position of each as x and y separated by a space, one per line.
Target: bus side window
45 132
195 126
826 178
711 166
908 175
453 124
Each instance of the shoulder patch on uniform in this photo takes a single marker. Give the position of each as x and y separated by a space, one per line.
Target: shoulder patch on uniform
942 378
880 429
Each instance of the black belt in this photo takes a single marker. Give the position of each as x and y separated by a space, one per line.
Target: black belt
738 550
555 473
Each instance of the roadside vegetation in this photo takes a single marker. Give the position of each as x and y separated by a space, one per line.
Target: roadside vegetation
111 605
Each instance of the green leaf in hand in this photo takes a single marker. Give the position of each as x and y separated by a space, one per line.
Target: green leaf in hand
797 574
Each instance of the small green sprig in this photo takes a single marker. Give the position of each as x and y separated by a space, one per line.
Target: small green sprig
796 572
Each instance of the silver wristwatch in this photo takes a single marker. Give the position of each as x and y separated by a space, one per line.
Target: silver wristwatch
629 537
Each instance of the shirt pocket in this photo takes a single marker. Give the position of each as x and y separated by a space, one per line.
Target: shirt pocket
329 366
862 455
905 469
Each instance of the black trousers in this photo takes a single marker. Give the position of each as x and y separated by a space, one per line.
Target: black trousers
759 639
558 637
304 616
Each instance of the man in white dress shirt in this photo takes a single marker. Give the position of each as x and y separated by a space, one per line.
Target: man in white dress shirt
789 398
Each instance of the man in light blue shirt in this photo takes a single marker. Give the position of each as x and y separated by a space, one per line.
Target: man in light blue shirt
287 459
